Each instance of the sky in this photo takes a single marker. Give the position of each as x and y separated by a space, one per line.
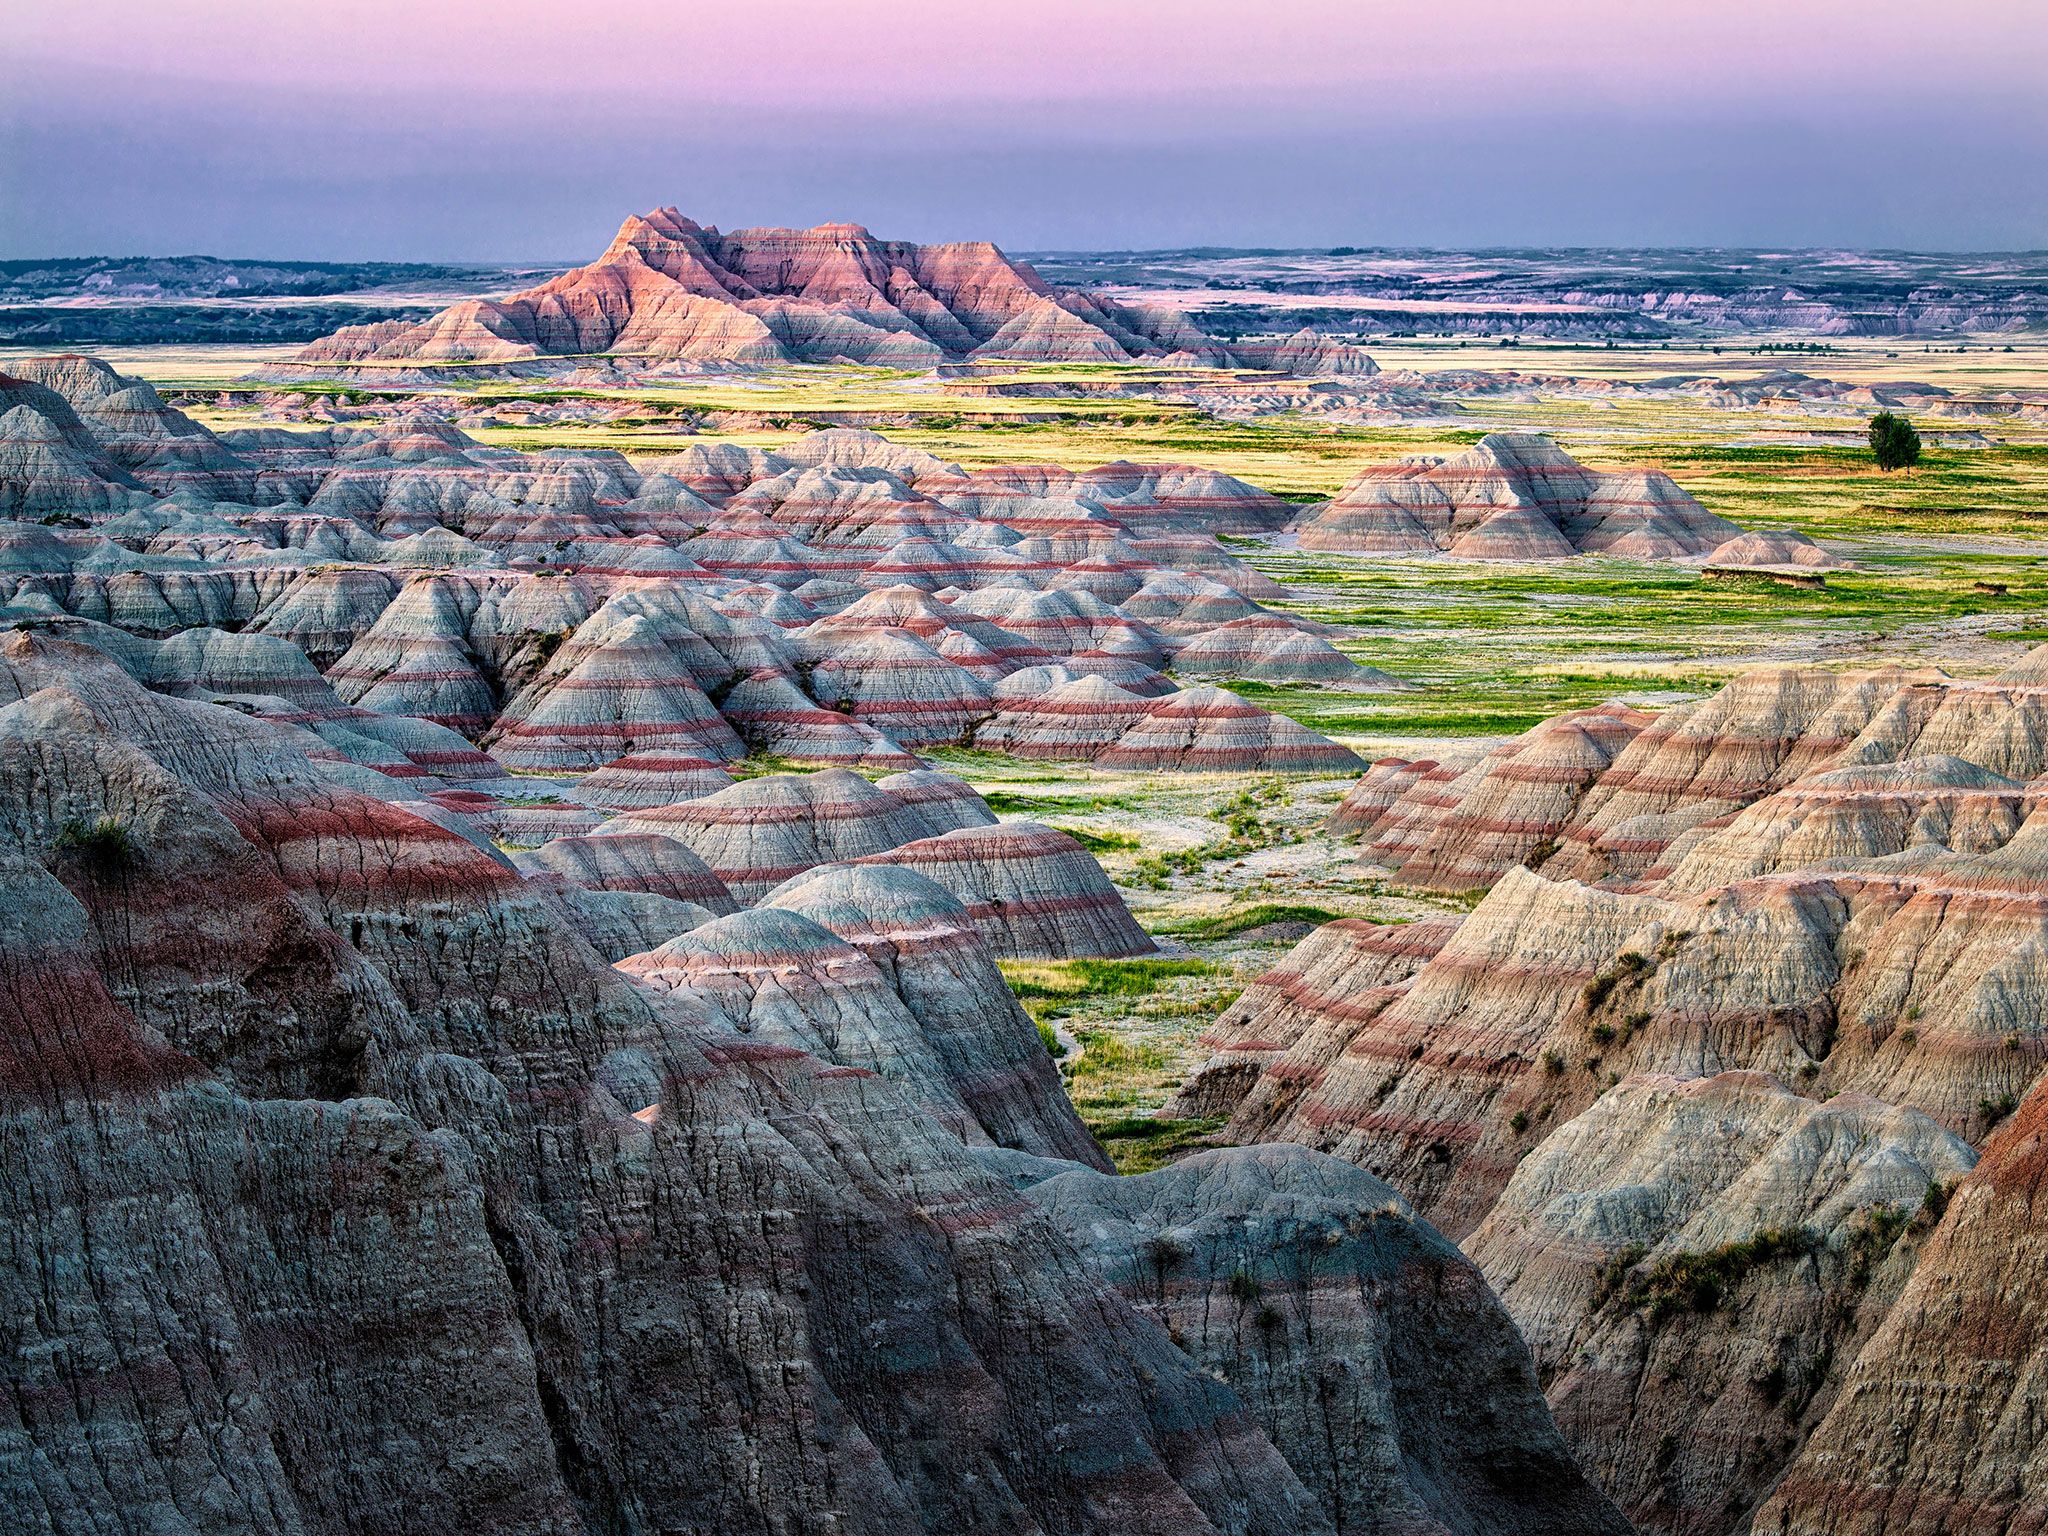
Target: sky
517 131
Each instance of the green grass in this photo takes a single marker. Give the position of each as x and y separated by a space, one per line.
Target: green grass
1497 649
102 844
756 764
1104 1054
1134 1025
1140 1143
1101 842
1009 803
1247 829
1230 924
1700 1282
1069 981
1837 491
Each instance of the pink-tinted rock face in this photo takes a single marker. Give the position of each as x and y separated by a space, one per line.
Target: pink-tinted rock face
1336 979
643 780
1267 648
1032 891
1073 720
349 1190
645 862
1694 1094
774 715
893 680
1508 809
627 693
1687 1419
1210 730
1933 1428
670 288
567 609
759 833
1513 496
1774 548
1305 352
1612 796
926 947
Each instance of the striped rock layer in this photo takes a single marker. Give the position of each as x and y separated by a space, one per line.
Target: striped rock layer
1613 795
1513 496
1032 890
759 833
669 288
845 604
1696 1093
350 1190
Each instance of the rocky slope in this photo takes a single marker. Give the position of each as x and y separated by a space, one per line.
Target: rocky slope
1513 496
1694 1093
351 1191
1935 1426
668 289
846 604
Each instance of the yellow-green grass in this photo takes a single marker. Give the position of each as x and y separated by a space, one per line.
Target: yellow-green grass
1873 360
1143 1143
1497 648
1134 1028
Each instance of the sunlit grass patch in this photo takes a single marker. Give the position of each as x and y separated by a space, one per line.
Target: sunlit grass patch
1110 1055
1141 1143
1101 842
1009 802
1229 925
1067 981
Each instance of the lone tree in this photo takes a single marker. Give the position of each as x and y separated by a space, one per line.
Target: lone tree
1894 442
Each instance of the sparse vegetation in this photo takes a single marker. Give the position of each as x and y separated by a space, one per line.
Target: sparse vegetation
1067 980
1993 1108
1141 1143
102 845
1700 1282
1101 842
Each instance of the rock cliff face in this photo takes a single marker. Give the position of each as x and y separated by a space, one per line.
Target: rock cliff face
350 1191
670 289
1848 764
1694 1092
1309 1307
1935 1427
1624 1242
844 605
1513 496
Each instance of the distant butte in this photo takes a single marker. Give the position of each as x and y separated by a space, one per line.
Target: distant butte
668 289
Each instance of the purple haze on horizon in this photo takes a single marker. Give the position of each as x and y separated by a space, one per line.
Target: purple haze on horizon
512 131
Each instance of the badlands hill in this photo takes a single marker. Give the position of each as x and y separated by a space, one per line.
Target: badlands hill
1518 496
671 290
645 1142
845 603
1704 1082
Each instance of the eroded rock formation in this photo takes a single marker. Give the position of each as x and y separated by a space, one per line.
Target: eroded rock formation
669 288
846 604
350 1190
1513 496
1695 1092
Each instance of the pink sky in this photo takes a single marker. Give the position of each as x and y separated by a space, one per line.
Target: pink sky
1148 121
